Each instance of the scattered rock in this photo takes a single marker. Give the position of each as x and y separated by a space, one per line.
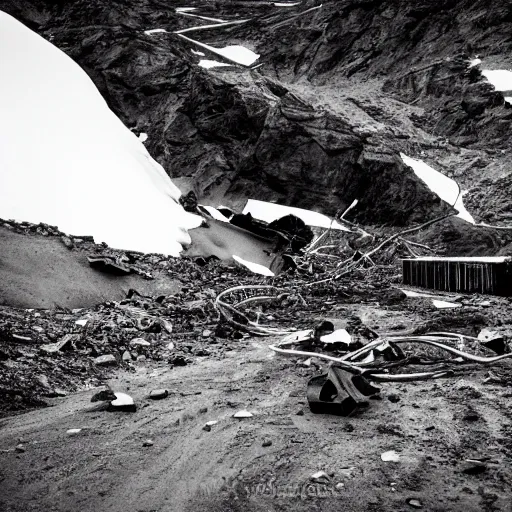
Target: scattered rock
73 431
126 356
67 242
178 361
20 448
390 456
65 342
393 398
141 358
471 416
242 414
320 477
414 503
158 394
105 360
123 402
473 467
140 342
266 442
207 333
148 442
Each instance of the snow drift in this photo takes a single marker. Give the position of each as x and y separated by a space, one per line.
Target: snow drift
68 161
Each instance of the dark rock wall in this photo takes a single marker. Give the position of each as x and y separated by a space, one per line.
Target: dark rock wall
235 134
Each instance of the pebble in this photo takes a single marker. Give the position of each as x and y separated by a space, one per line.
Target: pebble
158 394
320 477
390 456
140 342
147 442
105 360
73 431
242 414
473 467
393 398
207 333
266 442
414 503
20 448
127 356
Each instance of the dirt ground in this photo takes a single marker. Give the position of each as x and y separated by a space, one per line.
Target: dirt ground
434 426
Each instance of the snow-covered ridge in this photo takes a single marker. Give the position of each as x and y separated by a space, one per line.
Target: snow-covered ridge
68 161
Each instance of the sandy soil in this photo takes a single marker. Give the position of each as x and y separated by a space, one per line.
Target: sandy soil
40 272
433 426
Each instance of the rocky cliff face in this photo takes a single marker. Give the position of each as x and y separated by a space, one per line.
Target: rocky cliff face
342 89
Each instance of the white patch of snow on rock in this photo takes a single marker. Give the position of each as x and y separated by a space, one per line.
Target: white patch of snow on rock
68 161
215 213
442 304
443 186
217 20
254 267
474 62
207 64
155 31
235 53
282 4
143 137
269 212
501 79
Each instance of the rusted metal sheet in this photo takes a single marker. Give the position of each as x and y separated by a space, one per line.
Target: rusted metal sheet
492 275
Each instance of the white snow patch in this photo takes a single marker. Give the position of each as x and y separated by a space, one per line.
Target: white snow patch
410 293
207 64
446 188
185 9
217 20
122 399
215 213
195 52
390 456
68 161
235 53
474 62
501 79
442 304
281 4
339 335
254 267
155 31
269 212
143 137
207 27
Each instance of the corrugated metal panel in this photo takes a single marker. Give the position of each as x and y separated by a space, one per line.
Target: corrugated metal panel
470 275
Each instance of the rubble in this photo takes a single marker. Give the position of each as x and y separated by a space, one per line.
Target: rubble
158 394
105 360
122 402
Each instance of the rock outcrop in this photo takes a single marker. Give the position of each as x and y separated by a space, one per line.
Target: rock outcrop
342 89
